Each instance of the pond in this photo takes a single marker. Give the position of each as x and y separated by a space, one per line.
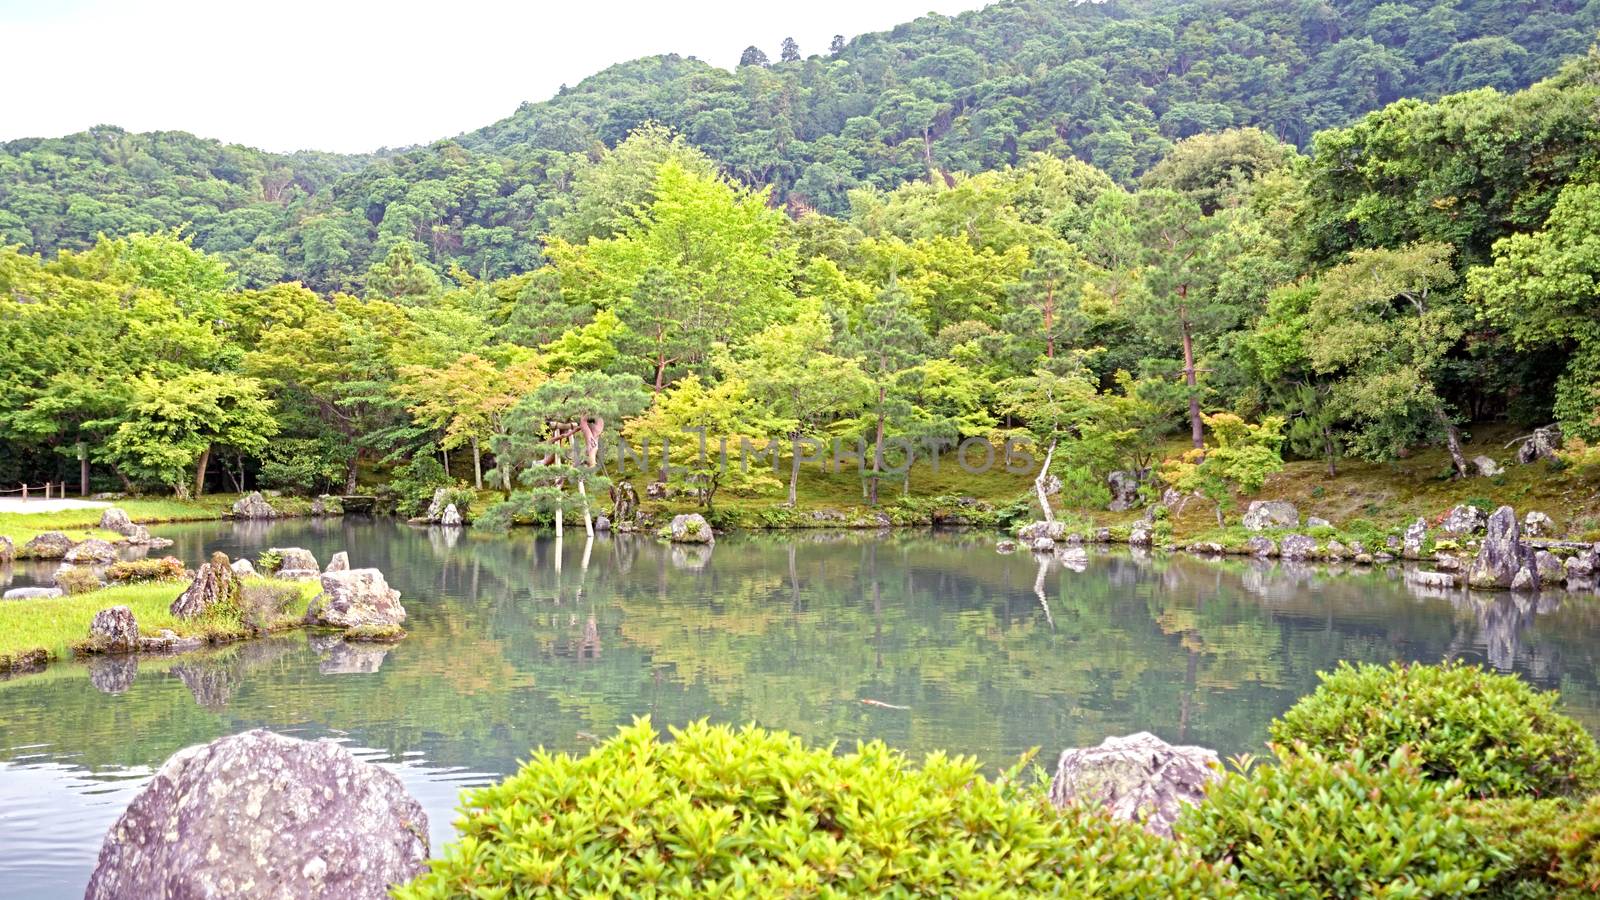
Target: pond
521 641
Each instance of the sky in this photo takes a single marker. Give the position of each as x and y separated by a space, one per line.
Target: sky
354 76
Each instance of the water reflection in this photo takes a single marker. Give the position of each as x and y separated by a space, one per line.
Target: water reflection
523 641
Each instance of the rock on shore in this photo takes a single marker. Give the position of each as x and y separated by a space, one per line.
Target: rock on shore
356 597
264 816
1137 778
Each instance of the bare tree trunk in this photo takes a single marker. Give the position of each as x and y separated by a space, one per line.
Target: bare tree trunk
200 472
1333 460
477 465
1039 483
1452 439
445 455
351 470
794 469
1196 426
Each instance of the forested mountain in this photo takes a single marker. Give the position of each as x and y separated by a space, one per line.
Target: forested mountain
1113 83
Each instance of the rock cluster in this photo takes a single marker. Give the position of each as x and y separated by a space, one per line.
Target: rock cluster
1138 778
262 815
355 597
1503 561
253 506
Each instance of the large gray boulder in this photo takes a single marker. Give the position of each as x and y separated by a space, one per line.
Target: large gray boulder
90 552
1138 778
8 550
215 584
1487 467
1464 519
690 529
244 568
1502 555
1124 487
441 498
264 816
113 630
49 545
356 597
253 506
451 517
115 519
1140 535
1416 537
1549 568
295 564
1297 547
1543 444
1261 547
1263 514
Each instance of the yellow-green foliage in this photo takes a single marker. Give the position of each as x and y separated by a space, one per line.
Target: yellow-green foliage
1494 732
166 568
718 812
1552 846
1313 828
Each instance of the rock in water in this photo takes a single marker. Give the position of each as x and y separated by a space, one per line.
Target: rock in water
243 568
1464 520
114 630
1416 536
215 584
1033 531
1261 547
339 563
601 523
437 504
451 516
1138 778
1262 514
1139 535
1297 547
327 505
356 597
90 552
49 545
1042 545
295 564
264 816
1543 444
691 529
1501 557
113 674
1537 524
115 519
253 506
1549 568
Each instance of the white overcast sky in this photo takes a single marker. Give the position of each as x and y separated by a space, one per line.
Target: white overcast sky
355 76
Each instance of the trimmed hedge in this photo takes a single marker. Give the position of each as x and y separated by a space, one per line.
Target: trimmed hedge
1496 734
716 812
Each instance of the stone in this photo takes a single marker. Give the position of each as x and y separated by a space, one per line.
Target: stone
327 505
690 528
1446 562
1171 497
139 536
243 568
1073 539
49 545
1042 545
657 490
1139 535
1580 566
262 815
1486 467
1262 514
355 597
1537 524
31 593
1297 547
1102 535
1261 547
1432 579
1317 522
1501 556
1548 567
113 630
601 523
1207 548
214 584
451 517
624 502
1137 778
339 562
1363 559
169 641
115 519
1464 519
1124 485
1005 546
1032 531
295 564
441 497
1336 551
8 550
91 552
1542 444
1524 580
1416 537
253 506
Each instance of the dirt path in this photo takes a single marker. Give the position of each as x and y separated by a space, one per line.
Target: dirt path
38 505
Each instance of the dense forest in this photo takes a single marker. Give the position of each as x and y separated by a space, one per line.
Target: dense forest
1115 84
1258 290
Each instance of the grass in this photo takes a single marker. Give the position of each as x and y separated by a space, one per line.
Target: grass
54 624
79 524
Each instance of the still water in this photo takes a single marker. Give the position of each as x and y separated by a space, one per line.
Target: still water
519 641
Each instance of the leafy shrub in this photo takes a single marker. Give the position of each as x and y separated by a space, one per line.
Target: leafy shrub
1311 827
262 602
167 568
717 812
268 562
77 580
1552 846
1496 734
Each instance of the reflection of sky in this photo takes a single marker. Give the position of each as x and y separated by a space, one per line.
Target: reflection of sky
514 645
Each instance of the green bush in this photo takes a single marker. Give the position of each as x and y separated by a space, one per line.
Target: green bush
1552 846
718 812
77 580
1311 827
167 568
262 602
1493 732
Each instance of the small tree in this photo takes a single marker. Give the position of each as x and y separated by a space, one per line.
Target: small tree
173 426
703 427
1239 460
789 51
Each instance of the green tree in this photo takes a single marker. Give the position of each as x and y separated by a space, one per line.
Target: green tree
169 433
889 341
1238 460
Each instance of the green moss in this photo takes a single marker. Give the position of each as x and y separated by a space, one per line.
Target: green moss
375 634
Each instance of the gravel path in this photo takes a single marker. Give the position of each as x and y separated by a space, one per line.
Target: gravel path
41 505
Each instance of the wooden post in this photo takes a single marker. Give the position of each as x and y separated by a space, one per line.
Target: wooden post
24 492
83 469
47 490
